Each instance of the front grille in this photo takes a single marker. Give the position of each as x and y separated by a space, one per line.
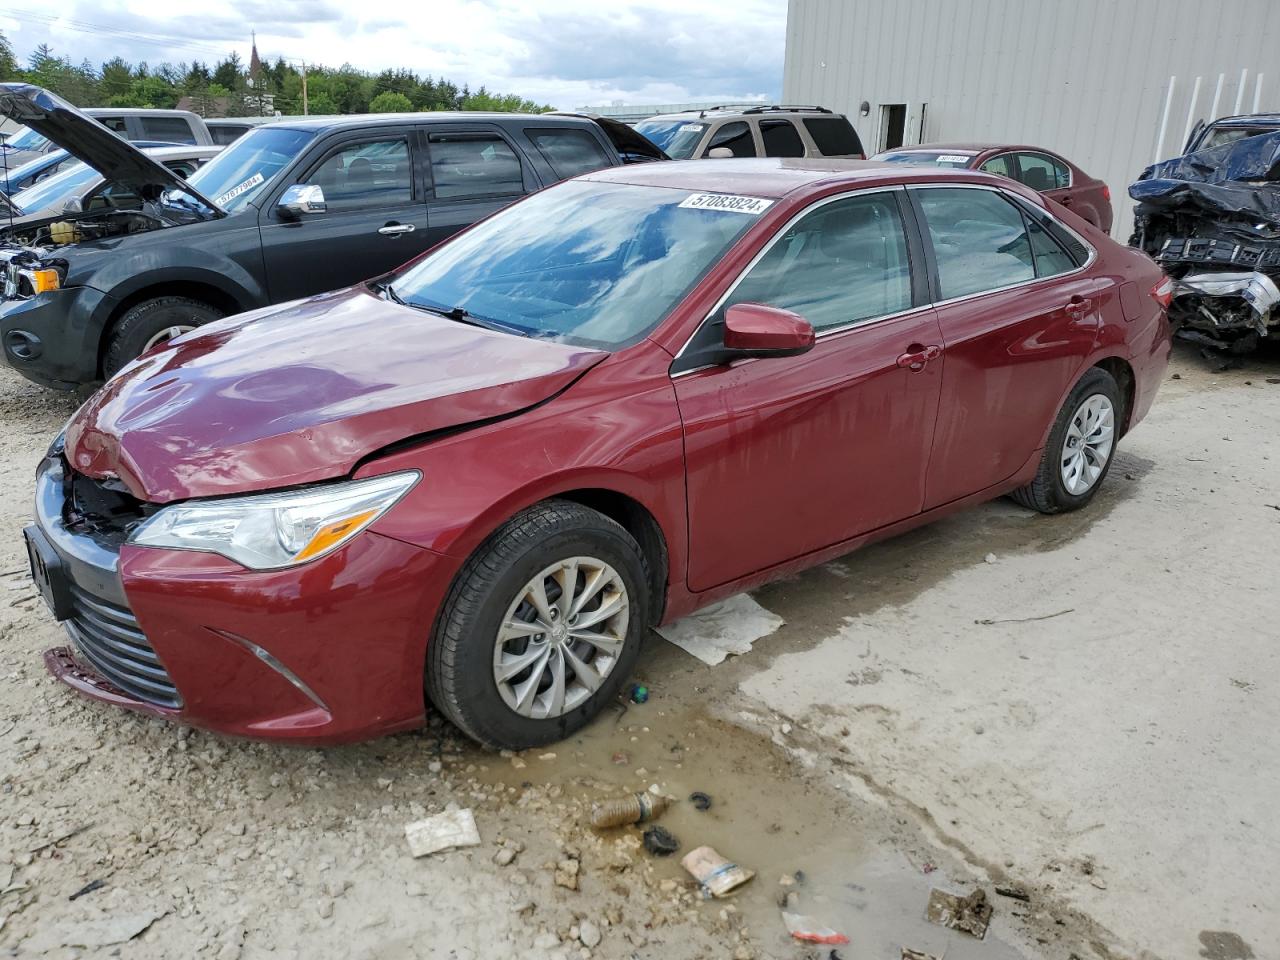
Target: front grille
108 637
104 509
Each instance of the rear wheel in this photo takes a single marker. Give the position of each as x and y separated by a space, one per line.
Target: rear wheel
1081 447
541 629
151 323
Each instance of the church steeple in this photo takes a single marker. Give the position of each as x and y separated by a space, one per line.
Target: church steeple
255 65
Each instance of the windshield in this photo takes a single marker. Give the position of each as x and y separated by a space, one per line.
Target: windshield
54 191
592 264
1220 135
23 171
241 172
930 158
677 138
26 139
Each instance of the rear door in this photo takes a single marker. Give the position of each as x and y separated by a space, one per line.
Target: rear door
1018 315
375 221
475 169
781 138
787 456
565 152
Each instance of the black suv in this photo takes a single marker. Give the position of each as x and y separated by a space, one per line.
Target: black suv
287 211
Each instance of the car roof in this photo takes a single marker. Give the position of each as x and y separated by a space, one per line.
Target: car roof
135 112
360 120
761 110
962 146
1248 120
777 177
182 150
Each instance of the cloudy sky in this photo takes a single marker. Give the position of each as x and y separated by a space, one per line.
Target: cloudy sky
568 53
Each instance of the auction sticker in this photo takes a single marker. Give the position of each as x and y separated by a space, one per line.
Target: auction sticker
954 158
726 201
239 188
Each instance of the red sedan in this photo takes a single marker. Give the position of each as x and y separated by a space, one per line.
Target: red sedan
477 481
1042 170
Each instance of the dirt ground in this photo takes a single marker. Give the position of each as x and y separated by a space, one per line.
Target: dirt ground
1115 764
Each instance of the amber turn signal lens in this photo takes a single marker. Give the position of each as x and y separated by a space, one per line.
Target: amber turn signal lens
44 280
332 533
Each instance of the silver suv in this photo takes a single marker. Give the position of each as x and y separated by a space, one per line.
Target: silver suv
763 131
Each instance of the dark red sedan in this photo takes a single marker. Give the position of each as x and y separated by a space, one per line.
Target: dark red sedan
477 481
1042 170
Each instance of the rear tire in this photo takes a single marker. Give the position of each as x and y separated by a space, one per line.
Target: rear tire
150 323
557 681
1072 469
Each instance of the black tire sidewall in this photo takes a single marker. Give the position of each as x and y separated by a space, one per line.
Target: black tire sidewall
142 322
477 696
1096 381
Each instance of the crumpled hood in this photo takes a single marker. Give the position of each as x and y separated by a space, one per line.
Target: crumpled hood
88 140
302 392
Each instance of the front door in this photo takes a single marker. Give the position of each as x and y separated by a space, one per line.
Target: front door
375 221
1014 327
787 456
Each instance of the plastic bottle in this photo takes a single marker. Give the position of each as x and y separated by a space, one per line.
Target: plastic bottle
636 808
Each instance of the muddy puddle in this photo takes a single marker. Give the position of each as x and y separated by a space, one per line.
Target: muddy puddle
767 814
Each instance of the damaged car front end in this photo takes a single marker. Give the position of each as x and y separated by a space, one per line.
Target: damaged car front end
1211 219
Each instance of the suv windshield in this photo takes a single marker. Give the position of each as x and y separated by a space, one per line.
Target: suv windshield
54 191
26 139
243 170
677 138
592 264
1219 135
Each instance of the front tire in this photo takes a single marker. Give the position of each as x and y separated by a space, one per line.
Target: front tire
541 628
1081 447
151 323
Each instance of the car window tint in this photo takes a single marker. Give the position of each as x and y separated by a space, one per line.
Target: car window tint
223 135
169 129
735 136
474 165
1001 166
114 124
569 152
979 240
843 263
781 139
1042 173
366 174
834 136
1050 258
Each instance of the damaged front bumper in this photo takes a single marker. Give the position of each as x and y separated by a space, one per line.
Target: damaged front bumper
1215 297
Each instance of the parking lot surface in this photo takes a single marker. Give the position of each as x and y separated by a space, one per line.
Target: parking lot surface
1081 708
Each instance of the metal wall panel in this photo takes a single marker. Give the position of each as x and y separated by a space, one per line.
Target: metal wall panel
1087 79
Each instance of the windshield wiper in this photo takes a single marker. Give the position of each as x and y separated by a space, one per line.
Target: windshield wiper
457 314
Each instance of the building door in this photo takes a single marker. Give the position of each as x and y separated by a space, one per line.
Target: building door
893 125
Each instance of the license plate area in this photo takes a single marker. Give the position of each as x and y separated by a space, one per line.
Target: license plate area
48 573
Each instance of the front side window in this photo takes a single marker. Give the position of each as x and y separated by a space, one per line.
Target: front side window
114 124
979 240
168 129
242 171
474 165
593 264
1001 166
734 136
781 139
569 152
1040 172
844 263
366 174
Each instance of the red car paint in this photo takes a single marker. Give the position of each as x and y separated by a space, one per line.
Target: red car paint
1087 197
751 471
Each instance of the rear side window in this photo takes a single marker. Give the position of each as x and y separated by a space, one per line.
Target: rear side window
781 139
114 124
735 136
569 152
834 136
168 129
1043 173
474 165
222 135
979 240
844 263
366 174
1050 259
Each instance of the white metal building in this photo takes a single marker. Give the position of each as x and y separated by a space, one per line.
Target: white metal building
1091 79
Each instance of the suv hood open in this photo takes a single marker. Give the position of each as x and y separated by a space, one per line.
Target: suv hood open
88 140
303 392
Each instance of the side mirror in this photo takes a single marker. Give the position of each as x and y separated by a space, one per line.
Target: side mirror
301 199
756 330
720 153
73 205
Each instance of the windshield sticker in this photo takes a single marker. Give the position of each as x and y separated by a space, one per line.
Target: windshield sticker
953 158
691 128
239 188
725 201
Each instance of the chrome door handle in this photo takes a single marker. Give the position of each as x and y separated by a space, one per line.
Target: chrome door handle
395 229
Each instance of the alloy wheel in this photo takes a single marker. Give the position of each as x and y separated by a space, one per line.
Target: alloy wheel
167 334
561 637
1088 444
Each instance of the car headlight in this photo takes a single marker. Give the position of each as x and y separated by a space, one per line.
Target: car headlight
273 530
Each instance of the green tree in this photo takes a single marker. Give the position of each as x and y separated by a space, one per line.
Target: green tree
8 62
390 102
115 79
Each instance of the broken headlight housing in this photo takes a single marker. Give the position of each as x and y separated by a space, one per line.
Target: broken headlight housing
269 531
26 274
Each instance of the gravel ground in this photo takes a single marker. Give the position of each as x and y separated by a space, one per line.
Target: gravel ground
945 754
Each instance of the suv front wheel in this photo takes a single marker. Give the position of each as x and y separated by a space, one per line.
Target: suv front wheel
151 323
